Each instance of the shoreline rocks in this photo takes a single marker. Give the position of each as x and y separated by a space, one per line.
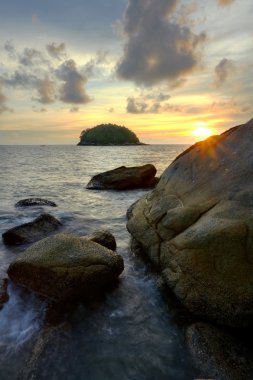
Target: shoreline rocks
4 296
125 178
31 202
218 353
31 232
196 226
104 238
66 267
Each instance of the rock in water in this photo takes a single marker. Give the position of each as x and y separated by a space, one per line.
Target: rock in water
4 296
197 226
33 231
35 202
65 267
218 354
124 178
104 238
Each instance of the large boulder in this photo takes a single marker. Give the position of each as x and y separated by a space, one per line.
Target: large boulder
197 226
124 178
31 202
33 231
66 267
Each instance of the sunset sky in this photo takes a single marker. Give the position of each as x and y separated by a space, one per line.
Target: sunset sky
163 68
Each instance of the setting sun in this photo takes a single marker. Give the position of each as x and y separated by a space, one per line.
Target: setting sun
202 132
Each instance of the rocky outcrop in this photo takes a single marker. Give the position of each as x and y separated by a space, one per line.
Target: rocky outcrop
35 202
124 178
104 238
66 267
219 354
33 231
4 296
197 226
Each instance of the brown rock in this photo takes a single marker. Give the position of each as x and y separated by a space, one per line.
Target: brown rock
33 231
197 226
124 178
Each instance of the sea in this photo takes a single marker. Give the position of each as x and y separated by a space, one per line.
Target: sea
137 331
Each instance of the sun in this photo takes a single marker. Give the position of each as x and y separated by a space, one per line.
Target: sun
202 130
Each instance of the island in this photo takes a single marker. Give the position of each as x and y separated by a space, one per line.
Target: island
108 134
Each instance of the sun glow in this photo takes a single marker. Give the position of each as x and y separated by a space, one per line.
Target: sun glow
202 130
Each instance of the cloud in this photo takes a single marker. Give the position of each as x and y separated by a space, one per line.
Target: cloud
31 57
3 99
46 90
224 3
10 49
144 105
157 49
223 70
19 79
73 89
74 109
57 51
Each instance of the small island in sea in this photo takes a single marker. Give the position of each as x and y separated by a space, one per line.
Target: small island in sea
108 134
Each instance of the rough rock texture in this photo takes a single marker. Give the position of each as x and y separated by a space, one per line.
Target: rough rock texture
33 231
66 267
124 178
197 226
35 202
218 354
49 355
104 238
4 296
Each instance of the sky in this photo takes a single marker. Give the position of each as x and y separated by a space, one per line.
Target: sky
163 68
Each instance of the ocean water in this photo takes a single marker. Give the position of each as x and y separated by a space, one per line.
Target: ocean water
134 334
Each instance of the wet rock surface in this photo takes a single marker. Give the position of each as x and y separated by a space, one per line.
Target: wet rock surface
196 226
33 231
125 178
4 296
49 351
218 354
66 267
31 202
104 238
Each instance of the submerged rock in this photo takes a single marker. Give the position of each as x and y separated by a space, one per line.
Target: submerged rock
33 231
35 202
49 355
124 178
197 226
66 267
218 354
4 296
104 238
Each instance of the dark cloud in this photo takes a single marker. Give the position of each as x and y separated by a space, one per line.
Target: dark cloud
31 57
73 89
136 106
223 70
19 79
46 90
224 3
57 51
156 49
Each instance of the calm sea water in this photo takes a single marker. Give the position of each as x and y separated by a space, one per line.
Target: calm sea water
133 334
